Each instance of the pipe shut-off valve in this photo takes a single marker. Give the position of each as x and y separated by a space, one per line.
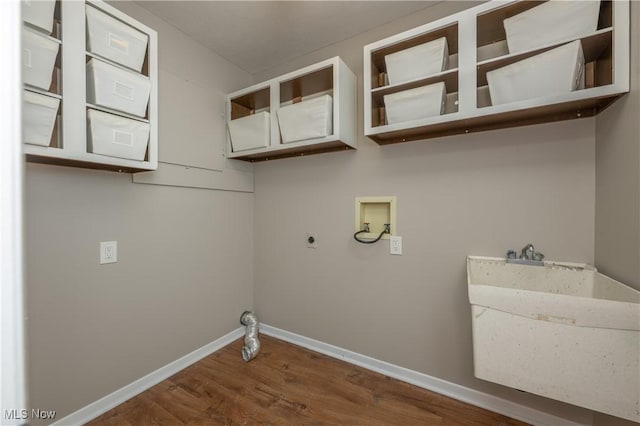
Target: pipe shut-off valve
366 230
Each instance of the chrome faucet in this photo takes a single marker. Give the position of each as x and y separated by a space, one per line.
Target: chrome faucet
528 256
527 252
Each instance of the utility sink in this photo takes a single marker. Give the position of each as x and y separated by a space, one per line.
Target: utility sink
561 330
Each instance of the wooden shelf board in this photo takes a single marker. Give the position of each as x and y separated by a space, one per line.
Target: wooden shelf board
543 114
116 112
69 162
449 77
38 31
296 151
117 65
41 92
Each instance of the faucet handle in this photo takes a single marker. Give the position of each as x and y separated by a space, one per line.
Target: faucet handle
511 254
538 256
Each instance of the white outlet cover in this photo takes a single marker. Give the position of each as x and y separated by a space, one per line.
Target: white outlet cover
108 252
395 245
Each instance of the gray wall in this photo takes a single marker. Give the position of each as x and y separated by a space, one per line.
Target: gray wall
477 194
186 265
184 272
617 239
617 247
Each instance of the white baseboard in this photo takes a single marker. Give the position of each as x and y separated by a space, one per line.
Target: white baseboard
127 392
461 393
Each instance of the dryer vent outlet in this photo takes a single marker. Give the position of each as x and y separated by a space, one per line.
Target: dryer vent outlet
251 343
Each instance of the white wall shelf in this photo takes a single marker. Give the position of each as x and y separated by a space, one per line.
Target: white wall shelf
42 92
330 77
116 112
69 145
477 44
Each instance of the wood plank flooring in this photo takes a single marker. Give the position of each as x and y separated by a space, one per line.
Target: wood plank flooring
290 385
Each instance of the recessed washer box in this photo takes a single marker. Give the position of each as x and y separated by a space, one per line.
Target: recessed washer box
554 72
115 136
115 40
417 62
376 212
116 88
39 114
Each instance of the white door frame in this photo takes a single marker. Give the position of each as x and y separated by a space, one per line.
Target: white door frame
13 393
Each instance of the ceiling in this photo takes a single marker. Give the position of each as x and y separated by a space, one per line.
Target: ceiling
258 35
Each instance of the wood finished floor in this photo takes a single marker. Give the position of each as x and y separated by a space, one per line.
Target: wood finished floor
290 385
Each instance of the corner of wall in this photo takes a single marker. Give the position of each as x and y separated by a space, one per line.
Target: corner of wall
617 233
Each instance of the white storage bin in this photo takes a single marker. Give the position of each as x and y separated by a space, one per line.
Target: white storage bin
417 62
415 104
308 119
38 59
554 72
39 114
115 40
39 13
555 20
252 131
115 88
117 136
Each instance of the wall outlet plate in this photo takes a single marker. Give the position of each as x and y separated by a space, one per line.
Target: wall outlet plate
312 240
395 245
108 252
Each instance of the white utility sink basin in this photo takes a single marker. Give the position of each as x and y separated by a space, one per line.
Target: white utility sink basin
562 330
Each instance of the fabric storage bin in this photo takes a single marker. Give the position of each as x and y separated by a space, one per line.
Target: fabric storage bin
39 114
113 87
39 13
116 136
415 104
38 59
417 62
252 131
557 71
309 119
553 21
115 40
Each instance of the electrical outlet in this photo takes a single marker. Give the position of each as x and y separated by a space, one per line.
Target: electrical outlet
108 252
395 245
312 240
